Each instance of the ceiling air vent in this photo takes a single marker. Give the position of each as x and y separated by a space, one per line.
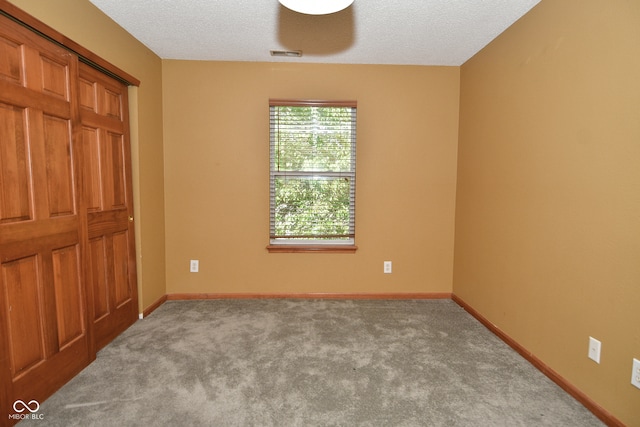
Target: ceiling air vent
289 53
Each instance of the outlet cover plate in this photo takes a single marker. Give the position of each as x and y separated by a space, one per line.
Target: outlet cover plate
594 349
635 373
388 267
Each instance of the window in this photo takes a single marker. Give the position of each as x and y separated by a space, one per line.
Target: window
312 175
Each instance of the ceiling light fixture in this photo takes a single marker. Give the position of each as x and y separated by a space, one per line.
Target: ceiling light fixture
316 7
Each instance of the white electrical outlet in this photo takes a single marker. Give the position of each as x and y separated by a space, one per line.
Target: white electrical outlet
387 267
594 349
194 266
635 373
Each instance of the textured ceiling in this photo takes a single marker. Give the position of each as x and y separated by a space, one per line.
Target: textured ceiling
417 32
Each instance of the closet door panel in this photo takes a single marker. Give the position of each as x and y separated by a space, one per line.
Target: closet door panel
122 290
11 52
43 324
55 77
98 278
87 96
91 160
15 196
60 183
23 304
113 103
116 172
69 296
109 213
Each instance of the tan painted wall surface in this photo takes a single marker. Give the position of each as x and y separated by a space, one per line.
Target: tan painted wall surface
548 202
82 22
216 130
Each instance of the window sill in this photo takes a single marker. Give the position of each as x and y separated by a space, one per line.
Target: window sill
325 249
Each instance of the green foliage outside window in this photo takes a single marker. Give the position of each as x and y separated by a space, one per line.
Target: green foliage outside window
312 207
312 169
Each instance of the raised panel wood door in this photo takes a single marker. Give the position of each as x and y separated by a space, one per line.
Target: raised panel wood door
108 205
43 327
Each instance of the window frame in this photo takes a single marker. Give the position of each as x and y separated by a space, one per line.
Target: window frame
284 245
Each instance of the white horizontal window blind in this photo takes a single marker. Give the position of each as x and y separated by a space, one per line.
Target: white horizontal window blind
313 172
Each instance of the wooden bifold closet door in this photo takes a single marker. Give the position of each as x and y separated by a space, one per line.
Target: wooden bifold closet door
67 259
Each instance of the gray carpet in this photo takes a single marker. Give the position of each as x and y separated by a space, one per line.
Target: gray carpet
274 362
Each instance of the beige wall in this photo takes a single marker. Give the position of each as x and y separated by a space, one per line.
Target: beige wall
548 202
216 132
80 21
